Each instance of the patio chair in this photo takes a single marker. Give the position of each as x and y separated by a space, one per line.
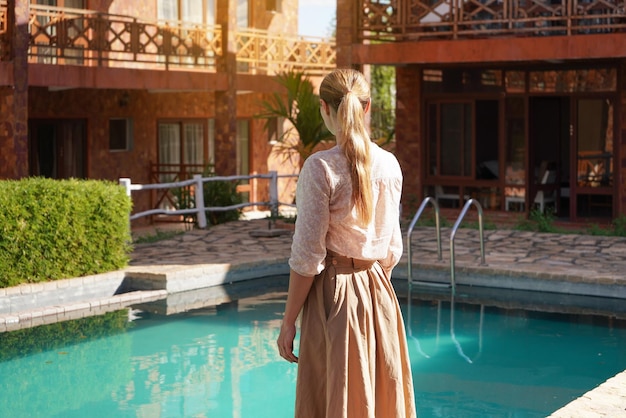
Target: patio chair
440 194
542 198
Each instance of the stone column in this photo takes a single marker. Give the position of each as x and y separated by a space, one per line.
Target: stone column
346 32
226 100
619 160
409 135
14 99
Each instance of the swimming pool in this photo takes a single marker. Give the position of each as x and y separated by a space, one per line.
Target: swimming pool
474 356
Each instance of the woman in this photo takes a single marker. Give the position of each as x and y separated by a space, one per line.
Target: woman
353 359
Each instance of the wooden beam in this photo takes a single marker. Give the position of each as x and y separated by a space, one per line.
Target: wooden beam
493 50
71 76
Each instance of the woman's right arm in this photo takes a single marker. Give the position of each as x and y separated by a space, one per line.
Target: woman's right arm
299 287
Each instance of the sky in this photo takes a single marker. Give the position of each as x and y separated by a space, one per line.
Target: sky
315 17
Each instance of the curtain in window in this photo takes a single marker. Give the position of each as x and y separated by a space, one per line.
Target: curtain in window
243 20
210 146
169 149
167 9
192 11
243 153
196 11
210 12
194 135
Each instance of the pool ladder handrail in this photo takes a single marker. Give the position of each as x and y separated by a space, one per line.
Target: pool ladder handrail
453 236
433 201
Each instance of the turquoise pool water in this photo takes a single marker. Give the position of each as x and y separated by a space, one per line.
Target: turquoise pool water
470 358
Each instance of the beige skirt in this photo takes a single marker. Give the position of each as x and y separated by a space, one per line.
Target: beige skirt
353 357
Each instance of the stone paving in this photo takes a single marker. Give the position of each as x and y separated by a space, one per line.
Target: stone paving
572 258
592 260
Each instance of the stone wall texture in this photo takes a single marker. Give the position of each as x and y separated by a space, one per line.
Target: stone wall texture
409 134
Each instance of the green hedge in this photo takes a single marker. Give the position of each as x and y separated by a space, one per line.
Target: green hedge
55 229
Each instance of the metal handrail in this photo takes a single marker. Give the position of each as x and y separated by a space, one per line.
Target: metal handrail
453 233
427 200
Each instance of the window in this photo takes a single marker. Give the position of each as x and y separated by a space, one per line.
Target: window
450 139
463 139
455 80
195 11
274 130
185 148
120 134
243 14
243 147
57 148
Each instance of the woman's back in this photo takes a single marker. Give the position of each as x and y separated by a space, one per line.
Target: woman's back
326 215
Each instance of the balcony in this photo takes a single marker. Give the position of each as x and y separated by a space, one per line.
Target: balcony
410 20
62 36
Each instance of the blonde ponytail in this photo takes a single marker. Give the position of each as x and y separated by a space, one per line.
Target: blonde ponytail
347 92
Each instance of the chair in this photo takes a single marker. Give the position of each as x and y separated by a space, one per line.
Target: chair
546 196
440 194
542 198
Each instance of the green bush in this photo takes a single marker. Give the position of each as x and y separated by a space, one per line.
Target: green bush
619 226
220 193
55 229
217 193
538 222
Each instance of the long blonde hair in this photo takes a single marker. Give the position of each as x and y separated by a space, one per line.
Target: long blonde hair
347 92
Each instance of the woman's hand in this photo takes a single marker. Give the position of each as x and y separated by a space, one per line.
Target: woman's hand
285 342
297 293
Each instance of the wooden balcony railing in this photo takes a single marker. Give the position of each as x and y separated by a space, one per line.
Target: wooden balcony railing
262 52
83 37
398 20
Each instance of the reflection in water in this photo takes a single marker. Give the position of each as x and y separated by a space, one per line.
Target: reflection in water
474 355
453 337
51 369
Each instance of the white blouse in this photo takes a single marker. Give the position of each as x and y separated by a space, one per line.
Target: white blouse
327 220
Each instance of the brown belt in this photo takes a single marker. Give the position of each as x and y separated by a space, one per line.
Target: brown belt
345 265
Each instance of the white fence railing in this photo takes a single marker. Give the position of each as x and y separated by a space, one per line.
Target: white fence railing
197 183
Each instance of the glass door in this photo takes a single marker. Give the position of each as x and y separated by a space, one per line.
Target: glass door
593 156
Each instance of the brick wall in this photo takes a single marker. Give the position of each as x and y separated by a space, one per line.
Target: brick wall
145 109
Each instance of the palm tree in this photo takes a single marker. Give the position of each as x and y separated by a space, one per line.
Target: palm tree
300 106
